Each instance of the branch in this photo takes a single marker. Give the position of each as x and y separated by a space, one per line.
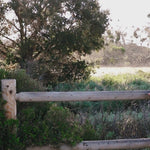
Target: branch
3 52
20 19
37 54
11 40
12 24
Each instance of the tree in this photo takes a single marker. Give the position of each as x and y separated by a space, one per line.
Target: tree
50 34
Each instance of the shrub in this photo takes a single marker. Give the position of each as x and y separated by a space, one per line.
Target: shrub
54 126
88 131
3 75
24 82
131 126
32 129
120 48
8 137
38 125
63 127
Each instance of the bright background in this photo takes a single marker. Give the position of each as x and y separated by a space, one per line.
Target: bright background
128 12
127 15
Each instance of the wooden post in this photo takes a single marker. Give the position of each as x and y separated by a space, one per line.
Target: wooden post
8 93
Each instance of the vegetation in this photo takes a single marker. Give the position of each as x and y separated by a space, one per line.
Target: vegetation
8 137
50 36
70 123
129 55
24 82
37 123
43 48
50 125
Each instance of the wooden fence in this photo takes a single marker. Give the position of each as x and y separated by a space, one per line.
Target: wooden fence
10 95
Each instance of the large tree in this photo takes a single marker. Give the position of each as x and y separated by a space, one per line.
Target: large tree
50 34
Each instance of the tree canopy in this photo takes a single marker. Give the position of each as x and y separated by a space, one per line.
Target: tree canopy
48 35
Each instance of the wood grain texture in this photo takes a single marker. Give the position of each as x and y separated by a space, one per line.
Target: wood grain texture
82 96
8 93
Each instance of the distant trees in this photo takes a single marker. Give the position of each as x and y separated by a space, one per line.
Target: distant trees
115 36
46 36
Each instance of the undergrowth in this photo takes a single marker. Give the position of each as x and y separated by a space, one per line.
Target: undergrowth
72 122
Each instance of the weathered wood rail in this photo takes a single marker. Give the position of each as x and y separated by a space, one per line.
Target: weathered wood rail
9 94
114 144
82 96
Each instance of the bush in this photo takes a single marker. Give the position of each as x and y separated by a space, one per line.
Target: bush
24 82
51 125
8 137
38 123
63 126
132 126
3 75
88 131
38 126
32 129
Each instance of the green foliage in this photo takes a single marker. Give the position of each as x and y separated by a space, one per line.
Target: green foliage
117 119
63 126
50 41
3 73
88 132
8 137
127 124
73 71
82 85
57 123
122 49
32 129
138 81
37 123
24 82
110 135
51 125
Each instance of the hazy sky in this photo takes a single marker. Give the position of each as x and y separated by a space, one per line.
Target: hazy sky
127 15
129 12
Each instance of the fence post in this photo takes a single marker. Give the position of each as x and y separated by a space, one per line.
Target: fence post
9 93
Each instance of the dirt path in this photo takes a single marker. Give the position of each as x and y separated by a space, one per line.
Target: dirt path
119 70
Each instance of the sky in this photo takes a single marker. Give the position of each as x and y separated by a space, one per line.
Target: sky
126 14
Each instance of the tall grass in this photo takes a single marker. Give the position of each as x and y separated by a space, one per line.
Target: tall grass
138 81
115 119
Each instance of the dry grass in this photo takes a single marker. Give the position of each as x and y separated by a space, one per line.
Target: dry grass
119 70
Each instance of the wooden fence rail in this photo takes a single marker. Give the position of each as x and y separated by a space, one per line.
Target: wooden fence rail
82 96
114 144
9 94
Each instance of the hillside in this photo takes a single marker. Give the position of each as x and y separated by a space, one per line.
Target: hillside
113 55
129 55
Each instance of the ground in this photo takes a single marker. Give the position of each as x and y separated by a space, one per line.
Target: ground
119 70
